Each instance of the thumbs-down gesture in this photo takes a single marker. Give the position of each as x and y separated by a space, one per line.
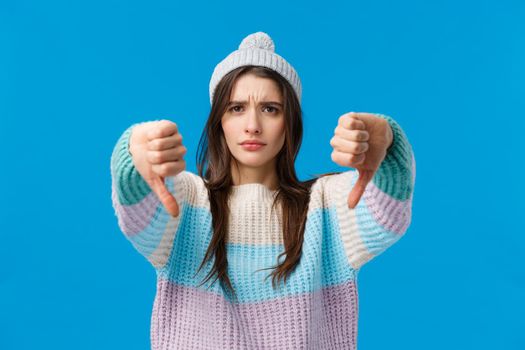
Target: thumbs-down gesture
157 152
361 141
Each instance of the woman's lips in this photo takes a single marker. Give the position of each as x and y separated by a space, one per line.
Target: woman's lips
252 146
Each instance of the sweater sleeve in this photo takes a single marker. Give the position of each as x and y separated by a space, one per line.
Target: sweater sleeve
384 211
142 218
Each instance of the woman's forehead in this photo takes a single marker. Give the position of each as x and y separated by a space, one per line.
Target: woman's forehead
261 89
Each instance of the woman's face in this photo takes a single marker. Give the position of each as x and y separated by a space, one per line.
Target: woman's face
255 112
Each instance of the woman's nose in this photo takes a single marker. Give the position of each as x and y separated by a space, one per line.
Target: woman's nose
253 124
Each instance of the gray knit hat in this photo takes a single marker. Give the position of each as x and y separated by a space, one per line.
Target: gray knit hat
256 49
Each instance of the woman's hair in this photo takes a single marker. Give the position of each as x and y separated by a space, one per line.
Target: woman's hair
293 195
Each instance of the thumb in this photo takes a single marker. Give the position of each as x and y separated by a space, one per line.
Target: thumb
359 188
166 198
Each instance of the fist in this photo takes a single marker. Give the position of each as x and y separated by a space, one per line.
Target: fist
361 141
157 152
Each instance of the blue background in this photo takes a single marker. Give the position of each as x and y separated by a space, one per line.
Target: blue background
73 76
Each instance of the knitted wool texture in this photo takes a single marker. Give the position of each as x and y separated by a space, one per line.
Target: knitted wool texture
318 306
256 49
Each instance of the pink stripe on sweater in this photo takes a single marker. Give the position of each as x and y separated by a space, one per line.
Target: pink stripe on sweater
135 218
188 318
392 214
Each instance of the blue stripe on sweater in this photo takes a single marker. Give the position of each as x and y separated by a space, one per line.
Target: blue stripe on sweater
323 261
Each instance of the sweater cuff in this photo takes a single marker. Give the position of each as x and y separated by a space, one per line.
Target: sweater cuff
130 185
395 175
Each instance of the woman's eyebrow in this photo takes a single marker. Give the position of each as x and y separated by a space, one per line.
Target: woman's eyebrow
261 103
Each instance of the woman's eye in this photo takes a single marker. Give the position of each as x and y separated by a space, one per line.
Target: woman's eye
272 109
233 108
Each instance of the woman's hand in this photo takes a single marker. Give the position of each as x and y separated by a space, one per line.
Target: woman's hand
157 151
361 141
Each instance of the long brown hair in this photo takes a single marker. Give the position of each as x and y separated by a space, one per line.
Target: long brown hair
293 195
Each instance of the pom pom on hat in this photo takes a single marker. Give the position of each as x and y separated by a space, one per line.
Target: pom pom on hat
259 40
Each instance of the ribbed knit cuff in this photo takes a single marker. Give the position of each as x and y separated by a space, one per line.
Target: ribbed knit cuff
131 187
395 176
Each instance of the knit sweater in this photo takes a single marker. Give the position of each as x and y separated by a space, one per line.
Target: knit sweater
317 308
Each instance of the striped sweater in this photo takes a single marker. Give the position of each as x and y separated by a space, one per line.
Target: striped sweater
317 308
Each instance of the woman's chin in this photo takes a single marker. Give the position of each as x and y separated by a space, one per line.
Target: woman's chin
252 162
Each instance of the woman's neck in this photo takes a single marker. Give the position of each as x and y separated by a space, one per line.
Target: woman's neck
246 175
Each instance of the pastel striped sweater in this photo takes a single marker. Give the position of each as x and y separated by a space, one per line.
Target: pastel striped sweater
318 306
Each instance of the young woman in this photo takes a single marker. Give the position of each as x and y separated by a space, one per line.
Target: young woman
246 212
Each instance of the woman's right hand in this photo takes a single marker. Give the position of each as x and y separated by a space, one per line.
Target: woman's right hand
157 152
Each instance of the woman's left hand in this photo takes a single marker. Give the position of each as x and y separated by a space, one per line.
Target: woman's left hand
361 141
